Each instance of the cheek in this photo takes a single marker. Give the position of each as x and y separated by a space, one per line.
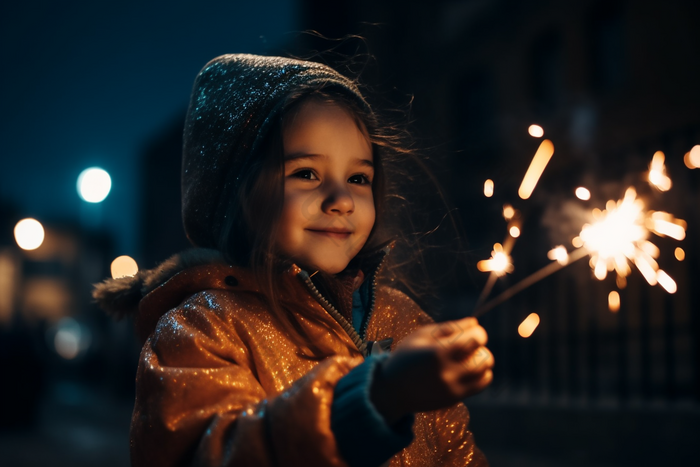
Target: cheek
369 215
302 207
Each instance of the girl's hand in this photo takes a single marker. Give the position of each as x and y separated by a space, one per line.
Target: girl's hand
436 366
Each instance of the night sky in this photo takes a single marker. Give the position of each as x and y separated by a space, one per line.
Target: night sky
90 83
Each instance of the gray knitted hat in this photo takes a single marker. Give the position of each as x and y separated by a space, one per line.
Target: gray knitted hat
235 101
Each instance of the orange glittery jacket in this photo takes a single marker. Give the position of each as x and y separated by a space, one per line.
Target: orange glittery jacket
220 383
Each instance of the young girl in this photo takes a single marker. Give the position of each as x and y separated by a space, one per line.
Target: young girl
257 344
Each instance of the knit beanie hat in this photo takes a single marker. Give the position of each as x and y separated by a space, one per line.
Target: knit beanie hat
235 101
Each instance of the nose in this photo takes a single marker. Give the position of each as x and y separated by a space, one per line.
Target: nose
338 200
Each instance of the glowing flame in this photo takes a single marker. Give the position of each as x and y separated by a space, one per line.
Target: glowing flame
537 166
657 172
499 262
559 254
535 131
488 188
614 301
619 236
529 324
583 193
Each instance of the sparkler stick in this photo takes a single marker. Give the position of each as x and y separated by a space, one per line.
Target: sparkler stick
528 281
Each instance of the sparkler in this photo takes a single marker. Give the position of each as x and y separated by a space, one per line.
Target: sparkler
615 239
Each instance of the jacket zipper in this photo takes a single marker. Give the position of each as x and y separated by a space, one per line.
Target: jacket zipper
358 339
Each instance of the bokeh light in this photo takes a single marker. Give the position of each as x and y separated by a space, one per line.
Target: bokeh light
692 157
535 131
508 212
666 281
559 254
679 253
124 266
488 188
537 166
657 172
514 231
71 338
614 301
583 193
94 185
29 234
529 324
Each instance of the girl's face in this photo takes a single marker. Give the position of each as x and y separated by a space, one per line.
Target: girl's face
328 210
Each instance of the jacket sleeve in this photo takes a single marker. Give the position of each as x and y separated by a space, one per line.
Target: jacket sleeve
198 401
363 435
441 437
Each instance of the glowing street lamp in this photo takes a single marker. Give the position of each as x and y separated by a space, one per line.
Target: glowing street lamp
124 266
29 234
94 185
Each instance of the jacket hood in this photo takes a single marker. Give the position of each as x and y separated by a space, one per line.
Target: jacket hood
235 101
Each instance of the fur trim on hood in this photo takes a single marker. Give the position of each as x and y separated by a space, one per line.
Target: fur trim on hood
121 297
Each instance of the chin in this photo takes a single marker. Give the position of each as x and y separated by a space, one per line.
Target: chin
329 267
332 269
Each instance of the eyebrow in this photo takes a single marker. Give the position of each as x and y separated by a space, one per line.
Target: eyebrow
302 155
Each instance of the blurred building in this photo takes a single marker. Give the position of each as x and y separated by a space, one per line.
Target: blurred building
162 232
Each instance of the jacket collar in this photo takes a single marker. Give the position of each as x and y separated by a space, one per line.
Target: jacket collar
151 293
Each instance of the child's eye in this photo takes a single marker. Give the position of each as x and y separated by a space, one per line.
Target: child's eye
361 179
306 174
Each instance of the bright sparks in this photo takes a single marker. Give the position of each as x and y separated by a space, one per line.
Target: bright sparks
529 324
29 234
664 225
559 254
124 266
657 172
619 234
666 281
499 263
582 193
537 166
614 301
535 131
488 188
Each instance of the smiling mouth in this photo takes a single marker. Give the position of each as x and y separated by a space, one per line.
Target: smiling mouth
332 234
